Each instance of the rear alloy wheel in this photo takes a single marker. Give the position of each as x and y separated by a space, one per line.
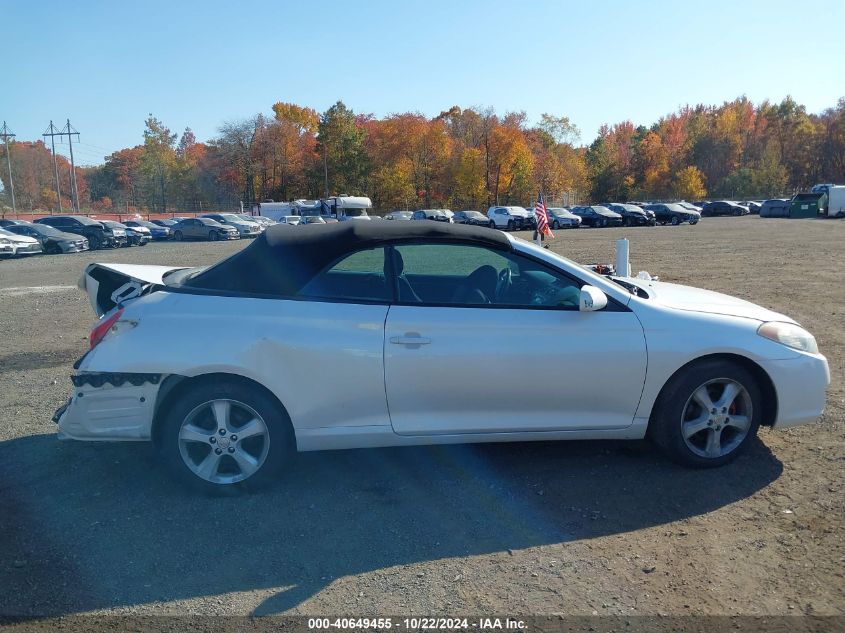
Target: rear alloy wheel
226 435
492 224
675 221
213 236
178 236
708 414
556 225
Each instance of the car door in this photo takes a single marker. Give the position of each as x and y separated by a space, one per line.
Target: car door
492 358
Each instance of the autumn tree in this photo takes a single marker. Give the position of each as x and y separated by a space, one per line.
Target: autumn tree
158 160
689 184
341 142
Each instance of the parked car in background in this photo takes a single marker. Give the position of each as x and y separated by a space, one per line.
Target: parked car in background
438 215
5 222
293 220
471 217
6 247
632 215
690 206
674 214
753 205
561 218
597 216
399 310
97 234
244 228
169 224
135 235
52 240
510 218
262 222
775 208
312 219
723 207
20 244
398 215
157 231
204 229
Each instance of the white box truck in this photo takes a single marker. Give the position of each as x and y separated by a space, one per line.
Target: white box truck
836 201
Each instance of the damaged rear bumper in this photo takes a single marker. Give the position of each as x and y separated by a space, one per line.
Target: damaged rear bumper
109 406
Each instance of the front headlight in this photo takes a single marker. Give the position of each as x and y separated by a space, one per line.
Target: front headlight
790 335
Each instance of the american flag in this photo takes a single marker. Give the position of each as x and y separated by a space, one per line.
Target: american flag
542 217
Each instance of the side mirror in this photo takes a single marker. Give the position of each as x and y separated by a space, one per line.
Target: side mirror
592 299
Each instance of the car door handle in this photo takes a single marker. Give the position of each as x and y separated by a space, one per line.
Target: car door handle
412 339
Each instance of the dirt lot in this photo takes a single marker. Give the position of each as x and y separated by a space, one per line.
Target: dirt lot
544 528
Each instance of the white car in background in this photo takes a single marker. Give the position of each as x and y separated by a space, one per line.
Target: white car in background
216 365
244 228
18 244
510 218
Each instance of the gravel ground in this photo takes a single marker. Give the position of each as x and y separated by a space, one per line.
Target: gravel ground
544 528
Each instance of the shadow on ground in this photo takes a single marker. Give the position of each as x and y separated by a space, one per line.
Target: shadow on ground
88 526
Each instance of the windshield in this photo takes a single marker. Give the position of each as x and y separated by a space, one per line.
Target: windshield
49 231
230 217
355 213
676 207
112 224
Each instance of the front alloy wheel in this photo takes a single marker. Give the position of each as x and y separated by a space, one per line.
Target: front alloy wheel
716 418
707 413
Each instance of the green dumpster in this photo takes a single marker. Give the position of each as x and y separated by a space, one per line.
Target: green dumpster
805 205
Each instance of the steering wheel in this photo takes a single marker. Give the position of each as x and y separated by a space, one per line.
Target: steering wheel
504 283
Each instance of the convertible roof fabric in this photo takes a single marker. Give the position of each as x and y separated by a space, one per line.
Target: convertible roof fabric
284 258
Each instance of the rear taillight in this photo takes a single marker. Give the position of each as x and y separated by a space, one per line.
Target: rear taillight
102 328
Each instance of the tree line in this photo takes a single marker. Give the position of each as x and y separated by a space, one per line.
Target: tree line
461 158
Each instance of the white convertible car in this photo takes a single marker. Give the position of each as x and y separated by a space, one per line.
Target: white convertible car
364 334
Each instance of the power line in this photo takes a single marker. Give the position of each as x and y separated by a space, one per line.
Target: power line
69 131
6 133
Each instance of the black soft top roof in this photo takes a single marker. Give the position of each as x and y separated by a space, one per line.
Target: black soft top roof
285 257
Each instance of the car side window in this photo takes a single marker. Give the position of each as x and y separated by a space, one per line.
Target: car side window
357 277
464 275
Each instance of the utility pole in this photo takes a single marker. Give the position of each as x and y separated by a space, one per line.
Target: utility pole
53 132
326 170
6 133
74 191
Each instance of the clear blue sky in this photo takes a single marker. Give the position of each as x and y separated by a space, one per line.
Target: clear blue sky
106 65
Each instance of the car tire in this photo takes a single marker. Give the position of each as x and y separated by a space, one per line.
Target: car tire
510 225
693 222
177 235
492 224
213 236
206 459
95 243
686 432
675 221
556 225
